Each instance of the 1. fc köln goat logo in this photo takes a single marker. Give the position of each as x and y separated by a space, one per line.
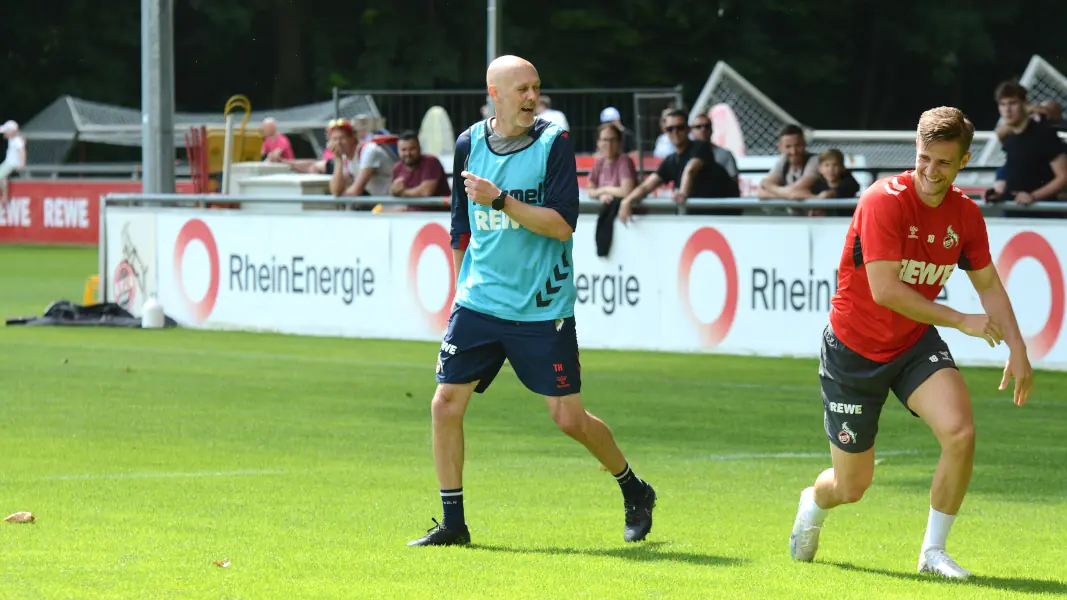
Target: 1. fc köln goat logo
130 272
846 436
951 238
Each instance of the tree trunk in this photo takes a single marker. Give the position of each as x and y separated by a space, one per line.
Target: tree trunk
871 79
289 81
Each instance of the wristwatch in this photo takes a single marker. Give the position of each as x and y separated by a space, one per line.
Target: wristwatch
498 202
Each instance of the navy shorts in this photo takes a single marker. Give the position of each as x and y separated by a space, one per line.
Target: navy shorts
544 354
855 388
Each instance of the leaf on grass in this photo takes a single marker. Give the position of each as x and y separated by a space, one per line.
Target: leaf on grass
221 563
21 517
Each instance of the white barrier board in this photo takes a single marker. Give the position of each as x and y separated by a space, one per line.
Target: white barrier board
733 285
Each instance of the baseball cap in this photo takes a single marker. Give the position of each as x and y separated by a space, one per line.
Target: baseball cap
610 114
9 126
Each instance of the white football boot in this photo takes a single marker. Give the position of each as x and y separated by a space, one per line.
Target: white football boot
938 562
804 540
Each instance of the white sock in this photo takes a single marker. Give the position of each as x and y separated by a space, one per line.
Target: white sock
816 514
937 528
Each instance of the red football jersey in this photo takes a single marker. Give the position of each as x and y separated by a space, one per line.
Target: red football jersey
892 223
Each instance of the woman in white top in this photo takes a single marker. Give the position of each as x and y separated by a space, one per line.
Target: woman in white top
15 158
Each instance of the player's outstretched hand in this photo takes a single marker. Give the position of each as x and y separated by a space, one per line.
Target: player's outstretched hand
981 326
1018 367
482 191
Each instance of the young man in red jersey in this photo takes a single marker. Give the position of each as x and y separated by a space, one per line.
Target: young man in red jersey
908 234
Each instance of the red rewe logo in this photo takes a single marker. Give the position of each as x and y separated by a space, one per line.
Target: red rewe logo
195 229
1028 244
432 234
708 239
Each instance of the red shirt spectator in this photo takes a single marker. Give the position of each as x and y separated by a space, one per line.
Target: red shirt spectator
417 175
613 174
276 146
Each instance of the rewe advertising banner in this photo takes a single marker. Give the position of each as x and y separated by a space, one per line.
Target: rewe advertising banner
64 211
757 286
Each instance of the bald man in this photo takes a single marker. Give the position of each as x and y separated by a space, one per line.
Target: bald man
514 208
276 146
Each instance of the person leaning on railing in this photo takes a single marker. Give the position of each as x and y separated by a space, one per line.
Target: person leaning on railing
361 168
418 175
692 169
612 178
833 181
1035 169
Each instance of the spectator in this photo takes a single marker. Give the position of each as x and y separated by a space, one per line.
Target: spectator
341 147
833 180
546 112
613 178
360 168
611 115
796 169
664 147
1035 168
276 146
692 169
417 175
14 160
700 130
613 174
324 165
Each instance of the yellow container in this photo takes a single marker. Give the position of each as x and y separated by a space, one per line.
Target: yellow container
246 146
92 289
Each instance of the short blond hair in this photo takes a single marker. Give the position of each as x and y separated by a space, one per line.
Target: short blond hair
832 154
946 124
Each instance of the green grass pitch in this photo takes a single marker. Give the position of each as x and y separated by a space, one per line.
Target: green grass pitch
147 455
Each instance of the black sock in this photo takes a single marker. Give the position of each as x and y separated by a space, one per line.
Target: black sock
452 503
632 486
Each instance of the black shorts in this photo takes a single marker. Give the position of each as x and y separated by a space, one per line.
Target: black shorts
854 387
544 354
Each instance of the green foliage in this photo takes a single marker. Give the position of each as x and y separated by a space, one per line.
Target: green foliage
828 62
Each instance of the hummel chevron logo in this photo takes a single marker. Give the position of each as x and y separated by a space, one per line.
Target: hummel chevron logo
558 277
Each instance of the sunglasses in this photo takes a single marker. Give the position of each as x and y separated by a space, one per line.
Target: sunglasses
611 139
673 128
701 126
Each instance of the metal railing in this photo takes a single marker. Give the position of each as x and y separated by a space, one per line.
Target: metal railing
586 205
94 170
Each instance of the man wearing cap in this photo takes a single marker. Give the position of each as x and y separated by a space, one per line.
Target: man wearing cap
361 168
15 158
611 115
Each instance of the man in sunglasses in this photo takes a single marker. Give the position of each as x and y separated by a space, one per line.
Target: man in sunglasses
700 130
692 169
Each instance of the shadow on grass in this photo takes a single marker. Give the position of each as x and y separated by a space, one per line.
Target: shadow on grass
645 552
1012 584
